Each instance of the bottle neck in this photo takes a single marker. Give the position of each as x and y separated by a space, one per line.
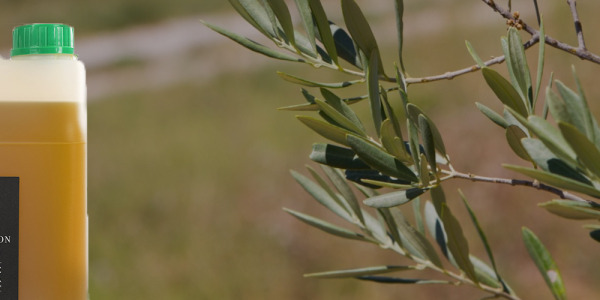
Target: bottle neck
55 56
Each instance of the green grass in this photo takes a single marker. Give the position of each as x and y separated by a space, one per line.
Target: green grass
174 181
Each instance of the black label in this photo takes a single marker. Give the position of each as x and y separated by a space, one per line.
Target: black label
9 238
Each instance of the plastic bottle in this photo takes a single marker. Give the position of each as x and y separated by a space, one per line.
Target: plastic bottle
43 138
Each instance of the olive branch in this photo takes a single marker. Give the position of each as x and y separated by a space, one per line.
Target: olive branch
406 153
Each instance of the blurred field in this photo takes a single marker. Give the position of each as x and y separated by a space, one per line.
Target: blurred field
95 16
187 181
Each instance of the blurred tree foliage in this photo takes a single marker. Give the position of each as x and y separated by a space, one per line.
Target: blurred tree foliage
400 149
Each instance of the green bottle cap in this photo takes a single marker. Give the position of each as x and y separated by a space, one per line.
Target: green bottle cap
42 39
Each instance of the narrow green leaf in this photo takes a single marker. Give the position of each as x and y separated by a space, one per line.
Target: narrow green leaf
436 230
558 109
366 191
504 91
307 21
484 273
303 46
373 86
572 210
540 154
361 33
395 114
326 226
596 132
401 82
326 130
324 55
300 107
311 105
252 45
591 226
456 241
273 20
414 241
540 65
428 142
386 214
492 115
344 189
424 171
594 231
308 96
548 162
484 240
380 160
593 130
342 107
550 136
337 157
545 264
413 141
418 215
322 23
388 184
399 5
395 280
413 114
340 118
310 83
254 13
392 143
556 180
377 228
578 83
360 272
595 234
545 108
578 109
375 179
514 134
347 210
474 55
520 69
394 198
322 194
509 115
345 46
586 151
282 13
507 57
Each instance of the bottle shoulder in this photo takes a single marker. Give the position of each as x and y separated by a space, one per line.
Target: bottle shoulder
42 80
53 56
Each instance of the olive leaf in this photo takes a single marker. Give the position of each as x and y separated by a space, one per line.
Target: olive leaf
360 272
252 45
326 226
545 263
394 198
504 91
380 160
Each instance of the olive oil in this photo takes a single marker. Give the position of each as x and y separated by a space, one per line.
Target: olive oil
43 138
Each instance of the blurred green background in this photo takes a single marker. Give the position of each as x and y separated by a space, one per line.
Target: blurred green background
189 160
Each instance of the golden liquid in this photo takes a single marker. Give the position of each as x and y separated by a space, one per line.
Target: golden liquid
44 144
